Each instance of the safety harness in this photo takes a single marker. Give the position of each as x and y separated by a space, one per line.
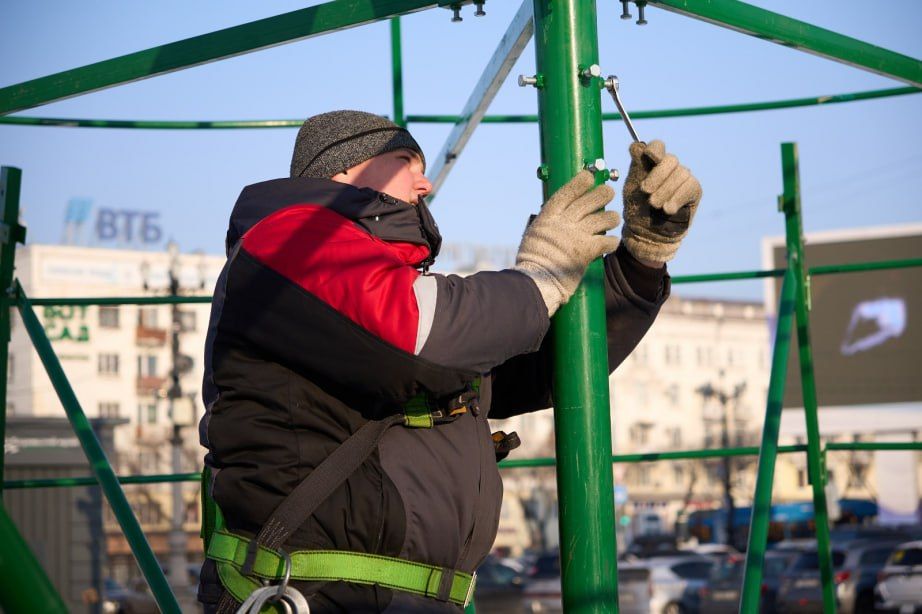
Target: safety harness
246 566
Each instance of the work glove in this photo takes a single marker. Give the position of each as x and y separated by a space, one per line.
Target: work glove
660 199
565 237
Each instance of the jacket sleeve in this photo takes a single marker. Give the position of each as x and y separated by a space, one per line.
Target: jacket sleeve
468 324
634 294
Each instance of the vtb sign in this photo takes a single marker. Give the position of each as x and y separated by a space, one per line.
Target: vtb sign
128 226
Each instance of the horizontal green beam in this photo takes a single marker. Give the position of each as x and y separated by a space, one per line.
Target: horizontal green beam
121 300
691 111
865 266
454 119
507 464
654 456
799 35
289 27
92 481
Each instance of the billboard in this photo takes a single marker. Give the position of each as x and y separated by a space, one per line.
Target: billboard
865 327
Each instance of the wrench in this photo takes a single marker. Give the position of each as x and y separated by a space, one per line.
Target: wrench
611 84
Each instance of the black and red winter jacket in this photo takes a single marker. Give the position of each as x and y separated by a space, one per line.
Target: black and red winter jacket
322 321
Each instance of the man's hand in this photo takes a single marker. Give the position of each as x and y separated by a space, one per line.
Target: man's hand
566 236
660 199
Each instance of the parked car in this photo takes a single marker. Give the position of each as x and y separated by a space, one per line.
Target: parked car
657 544
675 582
499 587
542 593
800 590
856 580
899 583
118 599
723 590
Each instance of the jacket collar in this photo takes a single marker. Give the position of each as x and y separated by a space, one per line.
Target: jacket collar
380 214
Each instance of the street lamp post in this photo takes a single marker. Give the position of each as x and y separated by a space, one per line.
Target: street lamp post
179 364
708 391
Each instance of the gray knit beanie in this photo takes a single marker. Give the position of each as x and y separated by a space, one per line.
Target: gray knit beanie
329 143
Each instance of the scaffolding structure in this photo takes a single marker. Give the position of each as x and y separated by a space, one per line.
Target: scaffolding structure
570 121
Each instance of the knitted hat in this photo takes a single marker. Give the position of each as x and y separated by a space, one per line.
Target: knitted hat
329 143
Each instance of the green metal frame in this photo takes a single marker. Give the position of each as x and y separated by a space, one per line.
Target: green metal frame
570 123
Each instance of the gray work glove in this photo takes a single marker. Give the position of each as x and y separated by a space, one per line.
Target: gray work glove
565 237
660 199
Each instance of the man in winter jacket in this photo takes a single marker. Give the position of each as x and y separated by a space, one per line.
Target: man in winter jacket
330 341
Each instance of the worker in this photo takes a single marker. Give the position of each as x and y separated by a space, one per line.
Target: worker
348 388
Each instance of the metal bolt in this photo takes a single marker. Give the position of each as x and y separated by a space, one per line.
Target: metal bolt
456 10
479 6
592 71
523 80
626 12
614 175
597 165
543 172
640 18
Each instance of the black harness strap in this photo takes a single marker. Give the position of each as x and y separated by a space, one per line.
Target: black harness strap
315 488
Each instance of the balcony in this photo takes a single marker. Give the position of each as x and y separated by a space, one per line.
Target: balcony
150 337
150 385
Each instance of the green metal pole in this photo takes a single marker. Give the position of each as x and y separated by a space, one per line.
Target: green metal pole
25 586
397 73
10 234
99 464
569 108
762 500
816 467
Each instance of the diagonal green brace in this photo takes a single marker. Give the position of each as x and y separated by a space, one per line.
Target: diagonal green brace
99 463
816 468
768 452
289 27
799 35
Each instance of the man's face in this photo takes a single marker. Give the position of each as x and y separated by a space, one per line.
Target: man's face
398 173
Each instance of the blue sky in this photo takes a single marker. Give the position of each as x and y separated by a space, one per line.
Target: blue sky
861 163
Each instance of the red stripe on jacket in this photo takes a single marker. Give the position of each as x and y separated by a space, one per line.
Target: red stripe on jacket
368 280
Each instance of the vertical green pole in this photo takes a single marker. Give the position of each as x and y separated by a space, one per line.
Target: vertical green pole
768 453
25 586
816 470
10 234
570 118
99 464
397 73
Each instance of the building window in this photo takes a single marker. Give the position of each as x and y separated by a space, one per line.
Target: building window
801 478
643 475
188 321
678 474
149 412
147 365
108 364
108 316
675 437
147 317
640 432
640 355
672 393
108 409
10 366
673 354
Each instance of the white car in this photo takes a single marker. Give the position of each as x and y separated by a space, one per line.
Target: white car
899 583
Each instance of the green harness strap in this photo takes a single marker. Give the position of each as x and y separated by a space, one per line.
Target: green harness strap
230 551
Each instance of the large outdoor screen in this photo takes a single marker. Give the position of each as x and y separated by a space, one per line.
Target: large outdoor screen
866 328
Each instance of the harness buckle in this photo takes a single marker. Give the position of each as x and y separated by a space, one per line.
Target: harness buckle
470 590
283 585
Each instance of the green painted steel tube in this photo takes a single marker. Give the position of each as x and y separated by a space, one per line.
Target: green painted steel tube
120 300
816 470
768 453
877 446
92 481
454 119
97 457
10 182
397 73
261 34
656 456
799 35
571 134
25 586
865 266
